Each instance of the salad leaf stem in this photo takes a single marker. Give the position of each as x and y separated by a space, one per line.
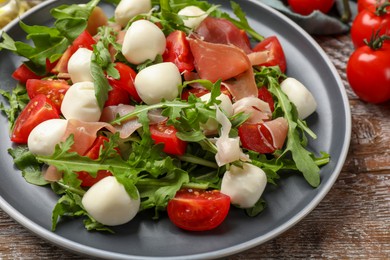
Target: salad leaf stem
196 160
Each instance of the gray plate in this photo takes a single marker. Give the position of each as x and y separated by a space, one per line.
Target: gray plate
144 238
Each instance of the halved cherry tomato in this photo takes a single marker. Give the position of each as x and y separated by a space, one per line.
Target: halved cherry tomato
367 22
93 153
178 51
117 96
126 80
84 40
23 73
166 134
276 53
198 210
266 96
306 7
52 89
39 109
256 137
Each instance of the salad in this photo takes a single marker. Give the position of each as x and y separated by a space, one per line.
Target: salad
168 106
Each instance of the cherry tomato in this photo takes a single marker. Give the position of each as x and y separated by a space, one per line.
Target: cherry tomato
166 134
276 52
126 80
52 89
23 73
93 153
367 22
306 7
266 96
178 51
84 40
39 109
198 210
256 137
369 4
117 96
368 73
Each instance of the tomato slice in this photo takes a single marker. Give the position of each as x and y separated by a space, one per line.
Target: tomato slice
23 73
256 137
198 210
178 51
39 109
276 52
117 96
126 80
84 40
266 96
52 89
166 134
93 153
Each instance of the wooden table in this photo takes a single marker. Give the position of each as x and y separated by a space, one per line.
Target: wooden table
353 221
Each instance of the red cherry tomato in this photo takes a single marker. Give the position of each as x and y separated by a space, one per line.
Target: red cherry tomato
178 51
256 137
126 80
23 73
39 109
93 153
368 73
162 133
266 96
84 40
306 7
198 210
367 22
369 4
117 96
276 52
52 89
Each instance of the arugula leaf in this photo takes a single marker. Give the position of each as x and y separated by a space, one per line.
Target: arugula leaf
17 100
28 164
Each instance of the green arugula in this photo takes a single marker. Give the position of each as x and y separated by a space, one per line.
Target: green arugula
17 100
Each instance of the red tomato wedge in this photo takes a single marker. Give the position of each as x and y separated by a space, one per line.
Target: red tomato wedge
93 153
306 7
178 51
266 96
52 89
276 53
198 210
23 73
162 133
117 96
84 40
126 80
39 109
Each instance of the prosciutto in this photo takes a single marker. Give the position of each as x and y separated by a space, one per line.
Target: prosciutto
258 109
243 85
220 30
278 129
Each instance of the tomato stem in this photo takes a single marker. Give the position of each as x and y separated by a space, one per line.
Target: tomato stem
346 16
376 41
381 9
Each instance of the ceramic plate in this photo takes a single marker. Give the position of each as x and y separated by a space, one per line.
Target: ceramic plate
145 238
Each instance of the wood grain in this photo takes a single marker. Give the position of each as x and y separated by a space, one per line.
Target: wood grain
352 222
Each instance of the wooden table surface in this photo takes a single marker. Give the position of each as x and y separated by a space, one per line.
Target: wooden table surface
352 222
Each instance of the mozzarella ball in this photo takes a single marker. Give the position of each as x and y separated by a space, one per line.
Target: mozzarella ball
80 103
244 185
157 82
300 96
45 136
79 66
143 41
108 202
127 9
195 16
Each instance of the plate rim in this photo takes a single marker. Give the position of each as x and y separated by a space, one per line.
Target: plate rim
82 249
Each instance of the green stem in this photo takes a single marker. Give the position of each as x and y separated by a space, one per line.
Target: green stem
196 160
72 189
346 16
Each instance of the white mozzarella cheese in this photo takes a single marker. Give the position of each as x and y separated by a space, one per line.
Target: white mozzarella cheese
194 16
79 66
300 96
80 103
244 185
143 41
127 9
45 136
157 82
108 202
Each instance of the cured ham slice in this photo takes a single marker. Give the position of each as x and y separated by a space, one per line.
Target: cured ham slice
278 129
215 61
84 133
243 85
220 30
259 57
258 109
